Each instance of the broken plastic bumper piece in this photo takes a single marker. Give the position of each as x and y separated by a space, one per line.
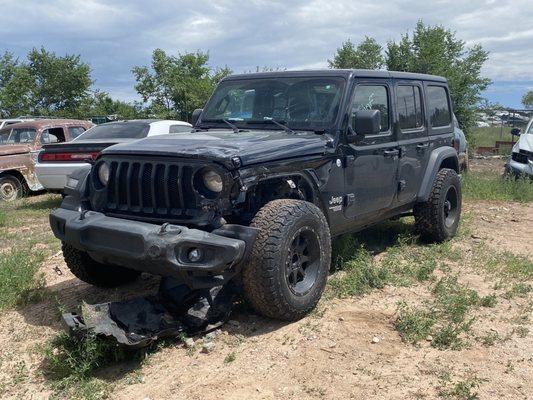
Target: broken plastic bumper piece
173 311
165 250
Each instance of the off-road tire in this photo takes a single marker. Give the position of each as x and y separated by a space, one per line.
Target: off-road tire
16 188
266 285
431 216
95 273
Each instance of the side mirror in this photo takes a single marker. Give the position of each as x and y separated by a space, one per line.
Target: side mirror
53 138
364 123
195 115
515 131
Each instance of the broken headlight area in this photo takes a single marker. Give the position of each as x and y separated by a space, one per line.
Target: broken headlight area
174 310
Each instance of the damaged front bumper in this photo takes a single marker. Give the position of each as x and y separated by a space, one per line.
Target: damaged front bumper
198 258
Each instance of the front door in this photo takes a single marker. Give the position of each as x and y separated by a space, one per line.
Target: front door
412 134
371 165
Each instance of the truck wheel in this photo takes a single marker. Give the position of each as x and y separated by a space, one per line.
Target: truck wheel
437 219
290 259
11 188
95 273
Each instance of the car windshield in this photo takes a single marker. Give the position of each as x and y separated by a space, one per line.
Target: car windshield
116 130
298 103
530 129
17 135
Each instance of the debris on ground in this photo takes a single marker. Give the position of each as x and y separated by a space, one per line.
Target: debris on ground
174 310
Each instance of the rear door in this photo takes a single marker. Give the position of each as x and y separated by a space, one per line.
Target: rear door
371 165
413 141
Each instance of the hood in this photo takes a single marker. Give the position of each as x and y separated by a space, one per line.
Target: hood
526 142
13 149
254 146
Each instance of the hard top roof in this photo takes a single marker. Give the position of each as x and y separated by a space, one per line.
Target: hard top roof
345 73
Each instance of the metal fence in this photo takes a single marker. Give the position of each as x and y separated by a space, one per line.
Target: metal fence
493 132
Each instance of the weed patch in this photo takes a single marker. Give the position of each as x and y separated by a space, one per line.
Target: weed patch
444 319
462 390
493 186
20 281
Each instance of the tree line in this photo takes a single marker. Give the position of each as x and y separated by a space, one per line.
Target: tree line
173 86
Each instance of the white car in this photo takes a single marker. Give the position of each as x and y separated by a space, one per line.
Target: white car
521 161
57 161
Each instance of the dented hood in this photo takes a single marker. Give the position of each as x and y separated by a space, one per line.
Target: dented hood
526 142
254 146
12 149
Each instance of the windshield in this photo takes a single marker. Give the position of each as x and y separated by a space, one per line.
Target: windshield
17 135
299 103
116 130
530 128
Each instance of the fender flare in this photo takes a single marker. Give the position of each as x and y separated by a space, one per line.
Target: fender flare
446 155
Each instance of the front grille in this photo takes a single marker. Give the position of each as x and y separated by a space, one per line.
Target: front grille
152 189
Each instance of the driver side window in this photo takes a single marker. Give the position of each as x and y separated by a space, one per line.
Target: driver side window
373 97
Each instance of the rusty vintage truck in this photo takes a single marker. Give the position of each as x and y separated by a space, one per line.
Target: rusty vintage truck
19 146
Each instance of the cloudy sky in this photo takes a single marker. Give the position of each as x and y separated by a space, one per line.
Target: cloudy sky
113 36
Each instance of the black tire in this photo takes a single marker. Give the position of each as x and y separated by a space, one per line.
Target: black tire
438 218
93 272
292 230
11 188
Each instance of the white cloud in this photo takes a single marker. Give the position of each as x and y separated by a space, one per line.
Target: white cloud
115 36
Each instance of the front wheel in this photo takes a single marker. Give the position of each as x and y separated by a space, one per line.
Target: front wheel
93 272
437 219
290 259
11 188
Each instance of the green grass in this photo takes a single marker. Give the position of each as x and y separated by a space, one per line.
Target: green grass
503 264
494 186
20 281
462 390
443 320
487 137
70 362
3 219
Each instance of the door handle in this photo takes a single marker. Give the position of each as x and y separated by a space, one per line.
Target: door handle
391 153
422 146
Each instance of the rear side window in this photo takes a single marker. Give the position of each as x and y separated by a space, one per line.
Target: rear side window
75 131
179 128
409 101
117 130
373 97
438 106
17 135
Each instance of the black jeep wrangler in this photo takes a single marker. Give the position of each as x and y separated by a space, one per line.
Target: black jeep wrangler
277 164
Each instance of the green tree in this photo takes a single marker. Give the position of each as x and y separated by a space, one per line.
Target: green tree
60 83
527 99
175 86
436 50
101 104
16 87
428 50
367 55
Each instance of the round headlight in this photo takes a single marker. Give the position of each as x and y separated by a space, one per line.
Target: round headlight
213 181
103 173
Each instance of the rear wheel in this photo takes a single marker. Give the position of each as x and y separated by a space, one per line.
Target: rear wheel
93 272
437 219
290 259
11 188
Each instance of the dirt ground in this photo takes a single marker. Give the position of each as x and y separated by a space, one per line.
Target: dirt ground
348 349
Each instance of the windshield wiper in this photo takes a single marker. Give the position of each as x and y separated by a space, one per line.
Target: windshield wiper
233 126
284 127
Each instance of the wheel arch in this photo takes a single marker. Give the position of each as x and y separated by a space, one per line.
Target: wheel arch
16 173
442 157
306 187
